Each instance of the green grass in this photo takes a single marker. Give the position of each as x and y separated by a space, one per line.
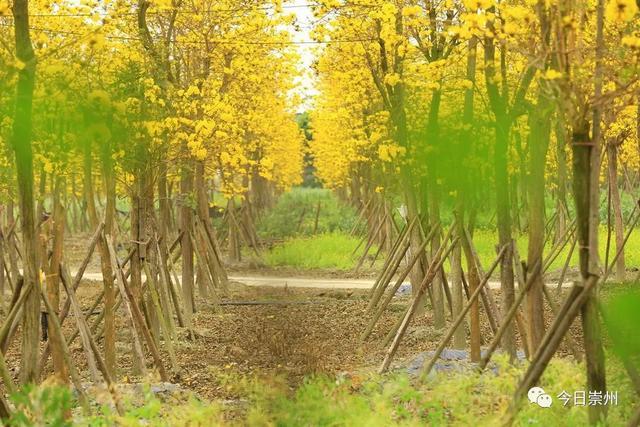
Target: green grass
326 251
486 241
454 399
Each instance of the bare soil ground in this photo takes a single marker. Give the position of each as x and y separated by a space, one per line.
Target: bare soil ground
288 332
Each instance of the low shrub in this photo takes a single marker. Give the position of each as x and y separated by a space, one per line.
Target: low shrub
295 214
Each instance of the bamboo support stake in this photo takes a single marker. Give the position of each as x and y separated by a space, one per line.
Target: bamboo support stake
93 352
395 259
619 252
361 214
209 257
367 235
80 321
120 280
389 297
388 260
452 329
570 341
83 266
13 313
243 234
369 244
565 267
378 251
394 329
436 263
315 224
166 329
203 266
13 327
491 307
551 341
557 250
173 292
6 376
523 327
507 320
213 246
447 290
75 376
387 275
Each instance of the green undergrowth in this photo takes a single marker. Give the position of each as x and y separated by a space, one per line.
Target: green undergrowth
486 242
295 215
334 251
446 399
460 399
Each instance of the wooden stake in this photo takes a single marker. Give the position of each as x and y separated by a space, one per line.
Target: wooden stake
91 349
165 279
166 329
507 320
75 377
434 267
452 329
388 260
120 280
80 321
551 341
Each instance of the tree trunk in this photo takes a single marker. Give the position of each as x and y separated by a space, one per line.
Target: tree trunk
203 212
588 164
561 196
21 141
460 336
163 201
108 277
538 143
186 223
53 280
504 229
612 154
590 322
434 206
436 286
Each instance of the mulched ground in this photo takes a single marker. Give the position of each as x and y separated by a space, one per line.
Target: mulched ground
292 333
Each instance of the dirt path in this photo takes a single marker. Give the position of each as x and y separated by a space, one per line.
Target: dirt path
311 282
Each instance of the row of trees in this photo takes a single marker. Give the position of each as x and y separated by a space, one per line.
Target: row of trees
139 113
474 105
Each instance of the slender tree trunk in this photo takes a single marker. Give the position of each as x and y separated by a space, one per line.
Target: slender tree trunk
434 208
21 141
499 104
538 143
590 323
163 201
436 286
466 186
460 336
202 206
108 277
234 232
590 260
3 278
53 280
13 256
135 281
504 230
561 161
612 154
186 223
